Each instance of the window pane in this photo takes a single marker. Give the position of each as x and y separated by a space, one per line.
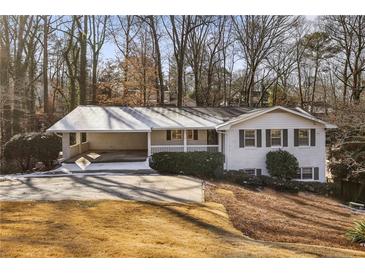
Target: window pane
276 133
72 139
276 141
176 134
250 133
83 137
307 173
189 134
249 142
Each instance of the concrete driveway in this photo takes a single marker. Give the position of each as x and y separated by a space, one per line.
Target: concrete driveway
95 187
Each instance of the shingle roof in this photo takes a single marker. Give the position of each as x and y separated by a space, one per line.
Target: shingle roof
119 119
144 119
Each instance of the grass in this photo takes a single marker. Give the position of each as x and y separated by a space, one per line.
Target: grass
282 217
357 233
134 229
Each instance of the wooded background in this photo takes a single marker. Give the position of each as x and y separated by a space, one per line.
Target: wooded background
51 64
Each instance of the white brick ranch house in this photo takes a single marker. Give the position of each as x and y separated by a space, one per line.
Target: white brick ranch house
243 135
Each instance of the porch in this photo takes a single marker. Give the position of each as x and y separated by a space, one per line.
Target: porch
185 140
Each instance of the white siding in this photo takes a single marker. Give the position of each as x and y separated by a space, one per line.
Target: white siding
117 141
245 158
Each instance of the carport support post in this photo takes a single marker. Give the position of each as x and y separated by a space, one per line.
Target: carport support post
78 141
185 142
66 145
148 143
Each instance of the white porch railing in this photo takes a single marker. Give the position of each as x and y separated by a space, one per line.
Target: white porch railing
180 148
209 148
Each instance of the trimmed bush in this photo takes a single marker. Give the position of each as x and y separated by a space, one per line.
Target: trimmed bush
19 149
198 163
26 149
281 164
357 233
46 148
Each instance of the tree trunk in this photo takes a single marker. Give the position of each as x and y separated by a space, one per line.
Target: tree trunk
314 85
83 62
158 60
45 65
180 82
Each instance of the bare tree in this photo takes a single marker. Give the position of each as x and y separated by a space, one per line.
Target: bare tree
348 32
97 37
129 27
83 60
178 29
259 36
196 45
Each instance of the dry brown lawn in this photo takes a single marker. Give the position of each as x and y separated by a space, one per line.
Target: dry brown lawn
283 217
134 229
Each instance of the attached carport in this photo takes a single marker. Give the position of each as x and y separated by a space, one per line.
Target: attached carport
105 146
103 134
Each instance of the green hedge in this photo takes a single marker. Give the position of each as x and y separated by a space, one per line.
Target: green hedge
199 163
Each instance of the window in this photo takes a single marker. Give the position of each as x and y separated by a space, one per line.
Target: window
303 137
189 134
250 138
276 137
176 134
83 137
192 134
307 173
72 139
251 172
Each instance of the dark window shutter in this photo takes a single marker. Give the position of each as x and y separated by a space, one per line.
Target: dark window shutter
258 138
316 173
168 134
313 137
258 172
242 137
285 137
296 137
195 132
268 138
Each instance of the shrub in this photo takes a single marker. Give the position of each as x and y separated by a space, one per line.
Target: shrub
357 233
19 149
46 148
199 163
25 149
281 164
240 177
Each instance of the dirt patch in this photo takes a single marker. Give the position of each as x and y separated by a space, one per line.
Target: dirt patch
133 229
265 214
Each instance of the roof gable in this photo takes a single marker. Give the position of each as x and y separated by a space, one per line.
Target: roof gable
251 115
